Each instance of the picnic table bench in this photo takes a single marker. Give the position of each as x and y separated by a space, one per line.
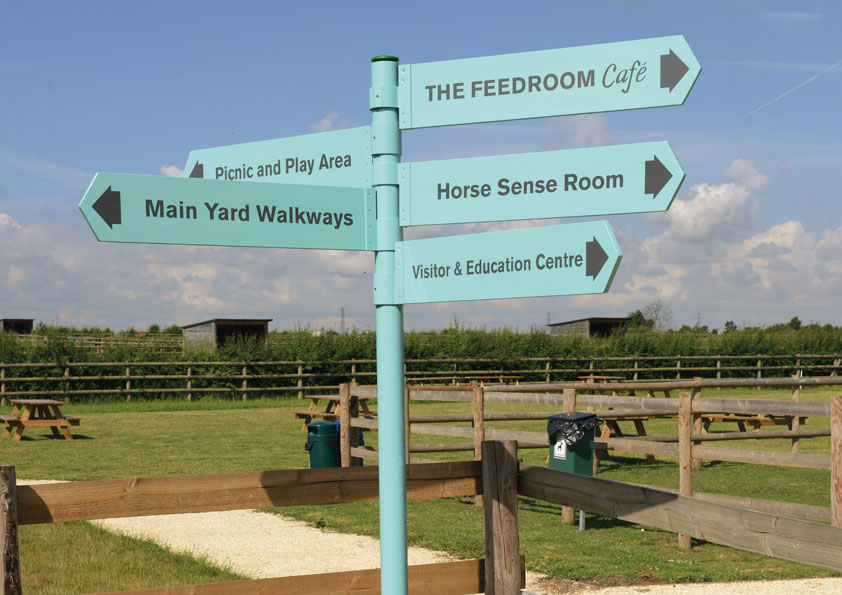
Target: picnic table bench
37 413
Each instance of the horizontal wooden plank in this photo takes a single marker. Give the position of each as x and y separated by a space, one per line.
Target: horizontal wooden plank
436 430
640 445
442 578
722 436
364 452
763 457
87 500
462 396
799 541
761 406
364 391
820 514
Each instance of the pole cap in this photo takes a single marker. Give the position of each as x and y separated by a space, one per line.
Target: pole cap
385 58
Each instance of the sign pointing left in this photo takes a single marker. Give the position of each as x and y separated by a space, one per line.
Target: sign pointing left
164 210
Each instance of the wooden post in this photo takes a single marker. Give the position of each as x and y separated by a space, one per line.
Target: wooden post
635 370
128 383
759 369
345 424
678 368
836 362
3 384
685 412
10 564
836 461
353 371
300 381
718 369
795 422
568 513
66 385
189 383
245 383
406 420
698 424
547 368
478 411
502 548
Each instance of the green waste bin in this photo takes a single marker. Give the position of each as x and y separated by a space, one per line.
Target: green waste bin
323 444
571 438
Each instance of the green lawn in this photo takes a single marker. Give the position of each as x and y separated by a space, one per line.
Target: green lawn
176 437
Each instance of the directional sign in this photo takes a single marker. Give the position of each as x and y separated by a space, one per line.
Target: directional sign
555 260
335 158
163 210
581 80
582 182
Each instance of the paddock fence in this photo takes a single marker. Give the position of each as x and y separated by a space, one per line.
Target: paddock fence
498 476
690 410
189 379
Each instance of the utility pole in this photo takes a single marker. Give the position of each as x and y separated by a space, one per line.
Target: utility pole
342 320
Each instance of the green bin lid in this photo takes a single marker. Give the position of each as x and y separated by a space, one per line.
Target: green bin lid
322 428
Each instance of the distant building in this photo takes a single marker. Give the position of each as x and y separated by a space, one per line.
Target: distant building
587 327
213 333
21 326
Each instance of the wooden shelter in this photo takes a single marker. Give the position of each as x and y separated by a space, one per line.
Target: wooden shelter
588 327
213 333
22 326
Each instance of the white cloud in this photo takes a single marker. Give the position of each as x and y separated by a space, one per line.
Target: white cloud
172 171
6 222
791 17
588 130
332 121
69 176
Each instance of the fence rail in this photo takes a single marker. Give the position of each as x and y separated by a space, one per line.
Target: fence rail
285 378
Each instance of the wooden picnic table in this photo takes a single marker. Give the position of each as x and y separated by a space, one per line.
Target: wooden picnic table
37 413
329 412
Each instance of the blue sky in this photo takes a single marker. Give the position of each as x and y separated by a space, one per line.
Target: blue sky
754 236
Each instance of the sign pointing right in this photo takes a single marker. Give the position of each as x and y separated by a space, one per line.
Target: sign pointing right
613 180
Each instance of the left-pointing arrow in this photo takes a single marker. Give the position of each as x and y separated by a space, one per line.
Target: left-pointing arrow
107 206
198 171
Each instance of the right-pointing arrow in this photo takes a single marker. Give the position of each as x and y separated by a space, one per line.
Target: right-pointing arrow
107 206
656 177
595 258
198 171
672 70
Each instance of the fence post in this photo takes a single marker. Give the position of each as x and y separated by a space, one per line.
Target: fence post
406 421
66 384
502 548
3 384
353 371
245 383
698 424
128 383
10 564
300 381
568 513
795 422
635 370
836 461
345 424
836 362
678 368
189 383
478 412
685 412
547 368
718 370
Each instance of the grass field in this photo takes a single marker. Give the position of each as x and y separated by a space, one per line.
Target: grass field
206 436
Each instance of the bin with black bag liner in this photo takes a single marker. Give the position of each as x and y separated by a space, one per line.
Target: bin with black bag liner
571 438
355 461
323 444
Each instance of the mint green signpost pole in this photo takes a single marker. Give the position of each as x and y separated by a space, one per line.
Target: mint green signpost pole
386 153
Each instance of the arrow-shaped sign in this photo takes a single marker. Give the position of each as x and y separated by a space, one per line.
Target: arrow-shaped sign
579 80
334 158
611 180
165 210
556 260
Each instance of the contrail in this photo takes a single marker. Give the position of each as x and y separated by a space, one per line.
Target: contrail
785 93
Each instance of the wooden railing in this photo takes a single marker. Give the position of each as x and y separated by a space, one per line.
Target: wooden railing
497 476
186 379
686 444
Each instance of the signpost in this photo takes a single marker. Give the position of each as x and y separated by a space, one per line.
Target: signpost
554 260
339 176
334 158
575 183
580 80
165 210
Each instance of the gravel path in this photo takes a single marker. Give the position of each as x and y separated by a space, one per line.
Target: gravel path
264 545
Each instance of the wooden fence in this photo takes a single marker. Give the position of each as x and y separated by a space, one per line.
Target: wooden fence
497 476
186 379
686 445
